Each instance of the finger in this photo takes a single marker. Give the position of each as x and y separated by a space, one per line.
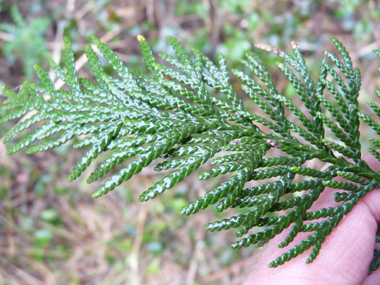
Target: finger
345 255
344 258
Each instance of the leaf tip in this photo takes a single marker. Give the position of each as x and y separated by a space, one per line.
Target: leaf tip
294 45
140 38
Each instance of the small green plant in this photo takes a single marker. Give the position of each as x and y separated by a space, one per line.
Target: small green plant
26 41
172 115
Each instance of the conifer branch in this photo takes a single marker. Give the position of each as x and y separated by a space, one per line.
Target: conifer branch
171 114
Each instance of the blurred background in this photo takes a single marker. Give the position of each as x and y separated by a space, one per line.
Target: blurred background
52 231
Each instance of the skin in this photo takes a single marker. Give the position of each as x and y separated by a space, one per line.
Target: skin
344 257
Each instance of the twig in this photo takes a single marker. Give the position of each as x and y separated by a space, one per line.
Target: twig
23 276
134 260
11 246
6 37
199 246
56 54
86 8
70 6
365 50
226 271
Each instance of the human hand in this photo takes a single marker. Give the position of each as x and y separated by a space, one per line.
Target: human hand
344 257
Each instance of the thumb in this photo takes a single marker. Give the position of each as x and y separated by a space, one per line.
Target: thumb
344 257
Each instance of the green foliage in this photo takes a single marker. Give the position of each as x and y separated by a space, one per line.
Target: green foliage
27 41
173 115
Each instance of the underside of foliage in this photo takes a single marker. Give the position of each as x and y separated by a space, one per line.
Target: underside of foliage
187 112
